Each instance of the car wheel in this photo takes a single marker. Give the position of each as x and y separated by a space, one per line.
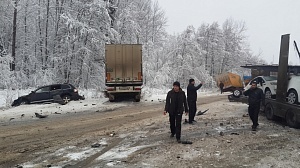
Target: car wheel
291 119
292 97
66 99
269 111
237 93
268 93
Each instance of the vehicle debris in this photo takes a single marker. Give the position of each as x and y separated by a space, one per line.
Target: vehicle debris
40 115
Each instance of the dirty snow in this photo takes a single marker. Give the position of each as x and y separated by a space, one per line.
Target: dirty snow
121 152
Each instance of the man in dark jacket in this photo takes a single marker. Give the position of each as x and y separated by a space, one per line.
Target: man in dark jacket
175 105
192 98
255 97
221 85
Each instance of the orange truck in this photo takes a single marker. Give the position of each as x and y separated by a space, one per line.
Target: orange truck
232 83
124 75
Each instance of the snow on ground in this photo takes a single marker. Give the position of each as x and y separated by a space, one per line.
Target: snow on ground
28 111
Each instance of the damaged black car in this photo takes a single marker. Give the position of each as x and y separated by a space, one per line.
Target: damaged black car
60 93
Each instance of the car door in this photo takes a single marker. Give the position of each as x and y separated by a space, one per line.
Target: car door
55 90
41 95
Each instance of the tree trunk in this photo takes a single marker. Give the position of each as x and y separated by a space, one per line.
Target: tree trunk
13 52
46 34
40 35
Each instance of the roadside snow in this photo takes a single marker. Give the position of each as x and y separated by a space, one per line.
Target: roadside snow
25 112
121 152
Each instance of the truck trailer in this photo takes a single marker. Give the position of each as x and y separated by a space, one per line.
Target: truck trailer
124 76
278 107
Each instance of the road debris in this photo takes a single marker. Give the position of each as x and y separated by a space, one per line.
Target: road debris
96 145
40 115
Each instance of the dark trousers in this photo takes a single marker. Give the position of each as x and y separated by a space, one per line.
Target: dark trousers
192 110
221 90
253 111
175 124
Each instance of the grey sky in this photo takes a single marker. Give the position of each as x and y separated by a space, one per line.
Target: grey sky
266 20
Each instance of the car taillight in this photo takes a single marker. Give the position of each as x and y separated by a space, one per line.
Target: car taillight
75 90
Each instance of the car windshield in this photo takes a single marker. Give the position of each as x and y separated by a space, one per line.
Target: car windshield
270 78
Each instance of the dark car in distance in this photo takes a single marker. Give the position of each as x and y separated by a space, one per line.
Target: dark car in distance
65 92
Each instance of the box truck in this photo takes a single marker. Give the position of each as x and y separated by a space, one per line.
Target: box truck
124 76
232 83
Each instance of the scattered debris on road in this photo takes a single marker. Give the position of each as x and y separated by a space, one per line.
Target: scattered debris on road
40 115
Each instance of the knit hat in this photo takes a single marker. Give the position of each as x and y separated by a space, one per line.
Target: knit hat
176 84
191 80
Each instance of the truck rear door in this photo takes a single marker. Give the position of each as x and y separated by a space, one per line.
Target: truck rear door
124 64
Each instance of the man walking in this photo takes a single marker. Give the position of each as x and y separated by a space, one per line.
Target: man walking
221 85
255 97
192 98
175 105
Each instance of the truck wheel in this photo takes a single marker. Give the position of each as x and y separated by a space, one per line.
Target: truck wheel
268 93
237 93
137 98
269 112
291 119
292 97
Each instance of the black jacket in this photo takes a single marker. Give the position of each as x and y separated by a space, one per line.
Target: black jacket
255 96
176 102
192 92
221 85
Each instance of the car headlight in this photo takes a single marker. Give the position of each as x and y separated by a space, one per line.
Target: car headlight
273 83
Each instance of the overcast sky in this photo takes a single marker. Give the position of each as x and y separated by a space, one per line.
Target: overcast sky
266 21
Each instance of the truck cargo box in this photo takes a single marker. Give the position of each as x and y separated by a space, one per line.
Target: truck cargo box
232 83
